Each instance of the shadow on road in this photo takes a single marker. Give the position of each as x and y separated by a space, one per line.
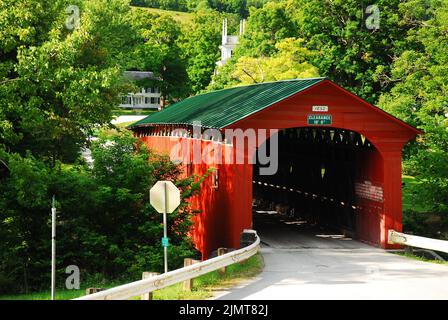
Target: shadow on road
306 262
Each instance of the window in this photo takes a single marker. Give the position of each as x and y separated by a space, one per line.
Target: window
153 100
190 168
138 100
215 178
146 100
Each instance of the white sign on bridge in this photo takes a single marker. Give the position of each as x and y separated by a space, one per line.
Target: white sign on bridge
320 109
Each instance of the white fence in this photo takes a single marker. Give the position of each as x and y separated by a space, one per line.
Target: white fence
140 287
416 241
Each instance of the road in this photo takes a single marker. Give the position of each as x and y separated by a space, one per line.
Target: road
302 262
123 119
87 153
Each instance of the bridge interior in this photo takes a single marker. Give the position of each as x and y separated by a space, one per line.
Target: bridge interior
318 181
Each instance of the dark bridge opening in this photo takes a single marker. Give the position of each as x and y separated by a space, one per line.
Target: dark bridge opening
322 174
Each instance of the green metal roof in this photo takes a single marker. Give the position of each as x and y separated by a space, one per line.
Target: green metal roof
219 109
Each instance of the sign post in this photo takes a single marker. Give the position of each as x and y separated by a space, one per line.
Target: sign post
165 236
53 250
164 196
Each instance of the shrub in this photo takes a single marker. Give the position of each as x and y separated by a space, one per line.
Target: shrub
105 222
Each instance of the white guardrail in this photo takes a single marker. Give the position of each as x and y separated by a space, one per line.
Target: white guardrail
140 287
416 241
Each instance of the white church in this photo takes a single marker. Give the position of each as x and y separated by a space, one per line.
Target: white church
229 42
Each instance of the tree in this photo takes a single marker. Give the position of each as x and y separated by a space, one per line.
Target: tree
230 6
349 52
290 62
419 97
200 45
65 83
265 27
106 225
343 48
158 50
24 24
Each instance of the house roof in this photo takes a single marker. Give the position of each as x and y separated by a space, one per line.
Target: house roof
138 75
221 108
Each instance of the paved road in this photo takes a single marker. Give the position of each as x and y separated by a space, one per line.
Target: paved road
302 262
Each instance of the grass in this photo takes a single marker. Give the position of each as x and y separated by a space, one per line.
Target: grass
182 17
132 112
203 286
419 258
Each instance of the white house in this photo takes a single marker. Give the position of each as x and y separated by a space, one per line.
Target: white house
146 98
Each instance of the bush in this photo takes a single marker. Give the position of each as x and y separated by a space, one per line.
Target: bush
105 222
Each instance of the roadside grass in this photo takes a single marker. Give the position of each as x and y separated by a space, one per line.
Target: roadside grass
203 286
132 112
419 258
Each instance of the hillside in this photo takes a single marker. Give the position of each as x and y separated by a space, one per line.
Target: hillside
182 17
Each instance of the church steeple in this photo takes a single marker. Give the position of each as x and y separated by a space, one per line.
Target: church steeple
229 42
224 30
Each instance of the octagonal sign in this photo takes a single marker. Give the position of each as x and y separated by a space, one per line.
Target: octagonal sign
157 196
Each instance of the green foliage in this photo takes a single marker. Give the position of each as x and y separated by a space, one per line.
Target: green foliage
240 7
58 85
265 27
200 44
419 96
231 6
342 48
346 50
176 5
289 62
105 222
157 49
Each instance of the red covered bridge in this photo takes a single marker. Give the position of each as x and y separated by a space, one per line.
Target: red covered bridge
339 158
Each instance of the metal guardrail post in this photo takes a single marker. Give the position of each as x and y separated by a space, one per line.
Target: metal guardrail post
146 275
222 251
188 284
93 290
